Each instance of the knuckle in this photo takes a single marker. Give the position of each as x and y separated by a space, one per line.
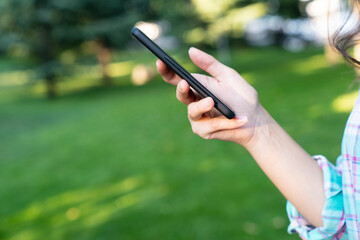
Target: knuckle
232 72
178 95
198 131
209 136
198 108
195 130
214 125
193 110
190 110
255 94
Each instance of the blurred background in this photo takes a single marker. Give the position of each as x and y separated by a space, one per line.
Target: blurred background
93 145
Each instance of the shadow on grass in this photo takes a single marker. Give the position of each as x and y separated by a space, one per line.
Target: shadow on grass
79 210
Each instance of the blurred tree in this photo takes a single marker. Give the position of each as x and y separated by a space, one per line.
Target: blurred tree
31 23
107 23
223 19
288 8
181 15
228 17
48 27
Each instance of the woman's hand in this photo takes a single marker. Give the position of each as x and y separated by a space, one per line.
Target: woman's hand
229 87
290 168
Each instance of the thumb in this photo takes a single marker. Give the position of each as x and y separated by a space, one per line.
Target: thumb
209 64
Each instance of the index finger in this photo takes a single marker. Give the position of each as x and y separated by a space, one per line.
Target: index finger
166 73
209 64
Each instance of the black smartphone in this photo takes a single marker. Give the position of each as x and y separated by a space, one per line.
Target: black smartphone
179 70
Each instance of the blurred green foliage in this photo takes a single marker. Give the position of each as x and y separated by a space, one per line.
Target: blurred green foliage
46 30
69 22
122 163
287 8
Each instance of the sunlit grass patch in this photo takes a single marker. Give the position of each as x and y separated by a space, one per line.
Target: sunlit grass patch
88 207
16 78
345 102
309 65
119 69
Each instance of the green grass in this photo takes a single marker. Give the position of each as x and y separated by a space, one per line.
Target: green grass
122 163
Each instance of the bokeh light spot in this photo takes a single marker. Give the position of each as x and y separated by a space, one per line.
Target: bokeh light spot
152 30
73 214
141 74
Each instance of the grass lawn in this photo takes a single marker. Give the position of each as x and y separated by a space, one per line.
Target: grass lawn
122 163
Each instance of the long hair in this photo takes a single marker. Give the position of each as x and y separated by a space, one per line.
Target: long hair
342 40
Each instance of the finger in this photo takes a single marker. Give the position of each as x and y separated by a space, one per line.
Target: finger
208 128
197 109
209 64
167 74
225 135
184 94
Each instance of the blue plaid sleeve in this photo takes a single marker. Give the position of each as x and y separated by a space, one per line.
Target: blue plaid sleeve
332 214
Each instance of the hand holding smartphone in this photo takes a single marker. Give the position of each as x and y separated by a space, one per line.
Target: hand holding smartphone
179 70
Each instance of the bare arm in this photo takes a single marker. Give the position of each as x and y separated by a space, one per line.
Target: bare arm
293 171
289 167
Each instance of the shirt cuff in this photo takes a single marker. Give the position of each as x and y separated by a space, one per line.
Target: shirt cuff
332 214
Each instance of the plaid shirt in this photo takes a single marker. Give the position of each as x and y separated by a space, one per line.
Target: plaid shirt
341 213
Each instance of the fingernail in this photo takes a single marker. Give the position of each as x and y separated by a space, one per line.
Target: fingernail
193 49
241 119
182 86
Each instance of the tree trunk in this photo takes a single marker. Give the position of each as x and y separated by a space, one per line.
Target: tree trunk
103 54
50 87
47 59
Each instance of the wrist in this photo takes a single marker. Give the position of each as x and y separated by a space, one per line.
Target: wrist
262 124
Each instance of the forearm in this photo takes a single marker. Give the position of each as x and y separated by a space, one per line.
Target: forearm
293 171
